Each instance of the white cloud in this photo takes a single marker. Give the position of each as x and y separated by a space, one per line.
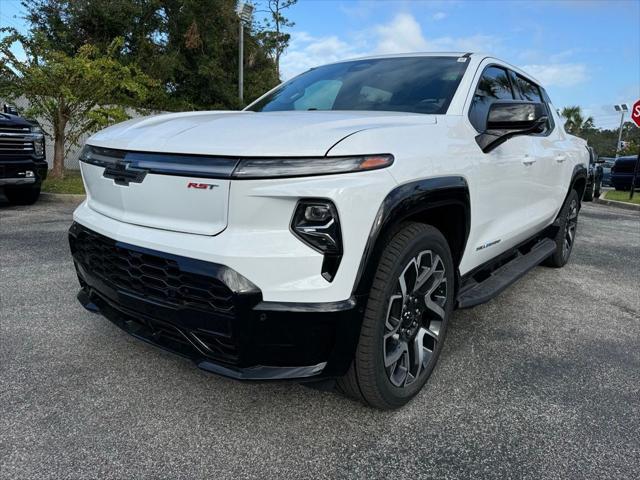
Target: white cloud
307 51
403 34
439 16
558 74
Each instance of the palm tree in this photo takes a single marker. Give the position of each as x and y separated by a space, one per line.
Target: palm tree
575 122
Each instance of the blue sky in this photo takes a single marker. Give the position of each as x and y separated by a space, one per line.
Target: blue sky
585 53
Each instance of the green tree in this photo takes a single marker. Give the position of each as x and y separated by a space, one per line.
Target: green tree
73 95
575 122
273 36
190 46
202 42
604 140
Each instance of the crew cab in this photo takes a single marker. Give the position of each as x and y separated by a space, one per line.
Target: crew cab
329 230
23 165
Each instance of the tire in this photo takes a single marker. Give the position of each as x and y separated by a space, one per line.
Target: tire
588 194
399 325
566 235
22 195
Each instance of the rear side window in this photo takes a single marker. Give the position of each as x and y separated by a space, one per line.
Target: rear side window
494 85
550 109
527 90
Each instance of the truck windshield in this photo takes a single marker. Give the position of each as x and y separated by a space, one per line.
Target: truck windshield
405 84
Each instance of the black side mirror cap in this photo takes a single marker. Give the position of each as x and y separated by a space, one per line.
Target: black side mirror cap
509 119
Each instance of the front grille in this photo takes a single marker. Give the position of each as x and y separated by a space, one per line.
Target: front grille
150 276
204 306
16 142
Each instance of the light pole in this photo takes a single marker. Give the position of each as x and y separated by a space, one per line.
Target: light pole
245 10
622 108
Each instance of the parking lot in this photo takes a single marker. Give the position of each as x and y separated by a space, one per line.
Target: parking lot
542 382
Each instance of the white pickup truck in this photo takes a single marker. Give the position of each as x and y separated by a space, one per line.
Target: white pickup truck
329 230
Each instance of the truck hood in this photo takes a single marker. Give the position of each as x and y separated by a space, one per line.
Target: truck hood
247 134
187 203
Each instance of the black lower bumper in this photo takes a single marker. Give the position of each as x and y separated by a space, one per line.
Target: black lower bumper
211 314
13 172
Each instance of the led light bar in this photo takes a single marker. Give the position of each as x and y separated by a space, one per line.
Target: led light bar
306 167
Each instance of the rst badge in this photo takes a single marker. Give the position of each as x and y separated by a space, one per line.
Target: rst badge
202 186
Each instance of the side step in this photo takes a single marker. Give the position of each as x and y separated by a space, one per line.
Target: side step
475 293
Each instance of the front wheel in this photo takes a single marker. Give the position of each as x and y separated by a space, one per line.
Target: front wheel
405 321
566 234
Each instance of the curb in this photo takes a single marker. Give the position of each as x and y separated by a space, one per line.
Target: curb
65 197
614 203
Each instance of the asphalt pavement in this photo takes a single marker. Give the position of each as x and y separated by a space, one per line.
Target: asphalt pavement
541 382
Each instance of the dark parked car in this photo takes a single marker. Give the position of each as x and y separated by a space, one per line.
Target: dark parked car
594 176
622 173
23 165
607 163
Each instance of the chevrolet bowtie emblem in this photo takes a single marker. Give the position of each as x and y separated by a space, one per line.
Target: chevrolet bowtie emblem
122 173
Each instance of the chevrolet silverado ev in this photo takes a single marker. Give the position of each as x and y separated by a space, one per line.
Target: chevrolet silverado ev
329 229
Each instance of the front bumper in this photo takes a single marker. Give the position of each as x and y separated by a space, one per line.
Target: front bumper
212 314
14 172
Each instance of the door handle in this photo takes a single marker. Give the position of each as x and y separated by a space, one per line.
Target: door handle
528 160
560 158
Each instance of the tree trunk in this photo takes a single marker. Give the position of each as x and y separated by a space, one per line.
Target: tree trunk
58 150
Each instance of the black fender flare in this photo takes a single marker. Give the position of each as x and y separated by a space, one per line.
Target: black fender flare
579 173
406 201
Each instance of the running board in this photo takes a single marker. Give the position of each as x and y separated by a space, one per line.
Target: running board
476 293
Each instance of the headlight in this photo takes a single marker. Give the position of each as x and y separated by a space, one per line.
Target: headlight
36 129
38 146
305 167
316 223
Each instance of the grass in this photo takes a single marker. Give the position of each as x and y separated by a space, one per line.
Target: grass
622 196
71 183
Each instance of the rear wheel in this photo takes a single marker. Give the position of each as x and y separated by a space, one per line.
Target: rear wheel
22 195
566 235
405 320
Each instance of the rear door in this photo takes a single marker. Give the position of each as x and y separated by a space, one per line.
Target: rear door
182 193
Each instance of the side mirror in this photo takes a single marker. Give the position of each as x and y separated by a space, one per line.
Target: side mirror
509 119
10 109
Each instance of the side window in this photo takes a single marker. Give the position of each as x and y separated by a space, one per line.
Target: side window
527 90
547 101
493 85
530 92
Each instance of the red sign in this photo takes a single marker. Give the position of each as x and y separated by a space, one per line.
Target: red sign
635 113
